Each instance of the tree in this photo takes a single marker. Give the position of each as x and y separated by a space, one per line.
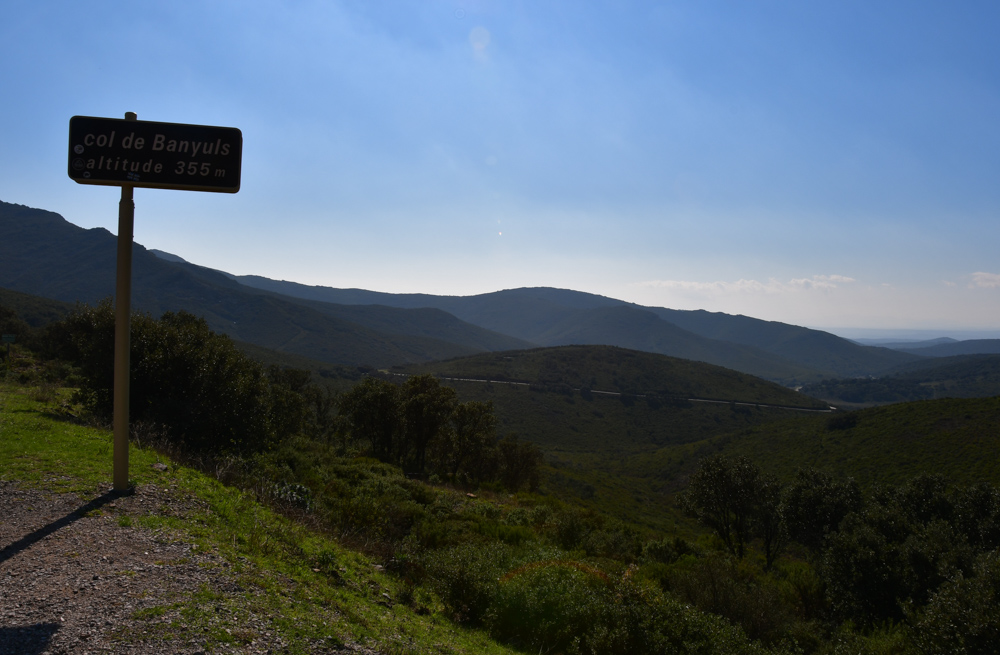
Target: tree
814 504
769 522
371 409
427 408
196 383
890 558
964 615
723 494
11 323
518 463
469 446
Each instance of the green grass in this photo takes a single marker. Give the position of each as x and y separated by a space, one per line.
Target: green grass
312 592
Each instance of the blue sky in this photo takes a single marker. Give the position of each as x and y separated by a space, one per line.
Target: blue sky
830 164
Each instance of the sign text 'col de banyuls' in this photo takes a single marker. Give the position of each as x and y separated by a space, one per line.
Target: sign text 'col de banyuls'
116 152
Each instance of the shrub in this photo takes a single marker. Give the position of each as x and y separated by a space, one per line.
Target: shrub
467 577
963 617
209 395
730 588
549 606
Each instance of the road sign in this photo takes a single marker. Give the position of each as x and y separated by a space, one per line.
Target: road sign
9 338
116 152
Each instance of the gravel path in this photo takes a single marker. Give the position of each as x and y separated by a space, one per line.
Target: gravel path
76 577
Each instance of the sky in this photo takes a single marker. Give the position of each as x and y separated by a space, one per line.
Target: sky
828 164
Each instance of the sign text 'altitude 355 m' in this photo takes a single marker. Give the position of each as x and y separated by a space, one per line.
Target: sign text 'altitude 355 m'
115 152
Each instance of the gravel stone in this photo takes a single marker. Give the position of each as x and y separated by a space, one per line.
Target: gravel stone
74 573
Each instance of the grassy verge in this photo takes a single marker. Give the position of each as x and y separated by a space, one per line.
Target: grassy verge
313 592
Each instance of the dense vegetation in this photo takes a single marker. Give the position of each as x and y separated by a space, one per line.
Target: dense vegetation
963 376
790 559
894 556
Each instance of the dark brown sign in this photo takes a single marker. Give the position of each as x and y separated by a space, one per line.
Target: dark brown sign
117 152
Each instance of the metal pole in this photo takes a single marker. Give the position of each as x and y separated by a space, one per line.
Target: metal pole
123 309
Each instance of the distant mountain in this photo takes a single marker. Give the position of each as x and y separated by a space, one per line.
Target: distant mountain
896 344
419 322
967 347
43 255
551 317
167 256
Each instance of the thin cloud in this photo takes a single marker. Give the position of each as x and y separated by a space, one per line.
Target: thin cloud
985 280
480 39
743 286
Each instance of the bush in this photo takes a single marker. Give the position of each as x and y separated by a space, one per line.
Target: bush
963 617
729 588
209 395
467 577
548 606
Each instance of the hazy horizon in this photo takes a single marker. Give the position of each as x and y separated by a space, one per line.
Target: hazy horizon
901 334
815 164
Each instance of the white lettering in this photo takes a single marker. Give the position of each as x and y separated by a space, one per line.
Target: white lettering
158 142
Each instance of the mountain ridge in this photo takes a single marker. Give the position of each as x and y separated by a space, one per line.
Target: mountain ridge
45 255
551 317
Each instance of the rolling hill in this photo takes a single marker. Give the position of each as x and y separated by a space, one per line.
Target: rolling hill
44 255
959 376
595 401
956 437
552 317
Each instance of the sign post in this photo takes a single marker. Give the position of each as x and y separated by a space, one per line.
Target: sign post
130 153
123 332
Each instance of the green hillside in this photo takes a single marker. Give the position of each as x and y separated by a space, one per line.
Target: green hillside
609 368
958 438
35 311
599 548
638 329
305 590
962 376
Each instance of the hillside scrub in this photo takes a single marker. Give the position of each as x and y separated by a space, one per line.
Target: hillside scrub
212 399
484 550
416 528
895 556
197 385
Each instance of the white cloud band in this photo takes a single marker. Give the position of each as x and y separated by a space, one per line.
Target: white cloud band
772 286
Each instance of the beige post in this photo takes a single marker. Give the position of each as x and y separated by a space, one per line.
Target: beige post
123 309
